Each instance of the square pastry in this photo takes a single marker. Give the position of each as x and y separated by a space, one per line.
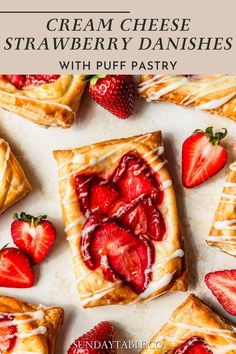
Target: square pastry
121 220
14 185
28 328
223 231
215 93
194 328
50 100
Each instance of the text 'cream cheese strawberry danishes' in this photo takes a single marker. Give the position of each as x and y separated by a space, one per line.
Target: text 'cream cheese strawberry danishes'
50 100
194 328
121 220
215 93
223 230
28 328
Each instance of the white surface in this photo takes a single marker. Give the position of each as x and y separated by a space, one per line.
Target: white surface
55 284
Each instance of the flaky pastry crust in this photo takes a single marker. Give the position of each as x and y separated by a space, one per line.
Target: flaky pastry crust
194 318
37 326
93 288
51 104
14 185
223 230
215 93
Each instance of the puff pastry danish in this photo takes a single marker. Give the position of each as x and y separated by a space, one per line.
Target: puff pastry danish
50 100
223 231
121 221
215 93
194 328
28 328
14 185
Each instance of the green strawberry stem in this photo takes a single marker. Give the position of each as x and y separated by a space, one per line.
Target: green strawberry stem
32 220
214 138
93 79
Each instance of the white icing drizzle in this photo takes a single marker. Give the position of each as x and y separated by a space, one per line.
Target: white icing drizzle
7 156
230 184
156 285
206 88
159 166
143 138
225 333
50 103
166 184
220 237
225 225
227 195
36 315
177 253
84 276
232 166
74 223
98 294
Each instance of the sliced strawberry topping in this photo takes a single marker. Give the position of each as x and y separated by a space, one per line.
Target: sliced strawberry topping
95 194
195 345
144 219
21 81
223 286
7 333
135 178
115 248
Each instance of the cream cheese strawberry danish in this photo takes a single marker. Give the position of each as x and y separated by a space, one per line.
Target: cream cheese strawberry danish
121 220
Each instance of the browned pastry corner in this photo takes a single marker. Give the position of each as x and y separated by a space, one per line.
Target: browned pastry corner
51 104
193 321
223 230
13 182
215 93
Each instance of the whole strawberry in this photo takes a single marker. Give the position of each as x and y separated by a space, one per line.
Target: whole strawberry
116 93
33 235
97 341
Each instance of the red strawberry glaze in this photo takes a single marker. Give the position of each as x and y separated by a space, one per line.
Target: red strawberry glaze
122 221
7 333
22 81
194 345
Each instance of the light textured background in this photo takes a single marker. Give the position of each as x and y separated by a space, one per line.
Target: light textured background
55 284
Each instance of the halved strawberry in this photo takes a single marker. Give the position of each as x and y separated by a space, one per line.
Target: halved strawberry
7 333
194 345
95 194
107 244
15 270
144 218
33 235
134 178
202 156
98 340
222 283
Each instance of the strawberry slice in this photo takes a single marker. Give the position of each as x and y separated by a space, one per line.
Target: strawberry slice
7 332
97 341
95 194
202 156
195 345
21 81
144 218
134 178
118 251
222 283
15 270
33 235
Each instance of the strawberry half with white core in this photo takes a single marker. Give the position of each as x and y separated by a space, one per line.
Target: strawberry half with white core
33 235
194 345
99 340
15 270
7 333
115 93
223 286
202 156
